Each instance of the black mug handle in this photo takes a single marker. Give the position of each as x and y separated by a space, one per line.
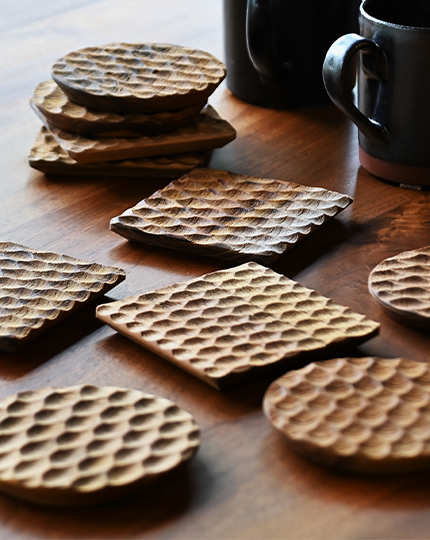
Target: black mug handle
260 40
336 75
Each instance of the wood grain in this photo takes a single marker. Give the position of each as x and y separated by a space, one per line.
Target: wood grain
244 483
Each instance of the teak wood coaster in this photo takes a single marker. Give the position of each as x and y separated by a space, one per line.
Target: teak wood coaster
47 156
223 214
362 414
206 132
138 77
228 326
41 288
401 284
87 444
51 103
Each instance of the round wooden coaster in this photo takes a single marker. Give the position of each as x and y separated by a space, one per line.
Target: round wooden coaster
362 414
401 284
138 77
51 104
86 444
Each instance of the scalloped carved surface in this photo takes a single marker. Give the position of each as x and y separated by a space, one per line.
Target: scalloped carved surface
46 155
40 288
89 444
231 325
401 284
52 103
364 414
206 132
223 214
138 77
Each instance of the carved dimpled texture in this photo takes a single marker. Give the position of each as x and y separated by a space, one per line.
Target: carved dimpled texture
40 288
401 284
52 103
235 324
206 132
47 156
138 77
223 214
88 444
363 414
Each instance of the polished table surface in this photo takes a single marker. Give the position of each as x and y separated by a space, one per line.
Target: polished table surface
244 482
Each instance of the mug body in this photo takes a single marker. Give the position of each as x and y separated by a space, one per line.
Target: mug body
399 101
274 49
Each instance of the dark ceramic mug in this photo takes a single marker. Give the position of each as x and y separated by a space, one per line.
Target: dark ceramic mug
393 88
274 49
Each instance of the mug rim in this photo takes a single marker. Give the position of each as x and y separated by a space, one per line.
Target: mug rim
367 15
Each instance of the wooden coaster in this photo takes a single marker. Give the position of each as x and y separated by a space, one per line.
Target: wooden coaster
138 77
51 103
207 132
86 444
228 326
223 214
47 156
39 289
361 414
401 284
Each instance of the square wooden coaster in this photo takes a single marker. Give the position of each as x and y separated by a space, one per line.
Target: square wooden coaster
40 288
47 156
227 215
206 132
228 326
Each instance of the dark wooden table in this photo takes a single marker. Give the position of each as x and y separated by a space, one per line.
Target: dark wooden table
244 482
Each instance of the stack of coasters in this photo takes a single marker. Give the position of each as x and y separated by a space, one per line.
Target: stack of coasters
232 325
223 214
124 102
362 414
40 288
88 444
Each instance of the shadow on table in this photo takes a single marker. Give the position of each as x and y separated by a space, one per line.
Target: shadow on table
404 490
50 343
243 398
313 247
159 505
